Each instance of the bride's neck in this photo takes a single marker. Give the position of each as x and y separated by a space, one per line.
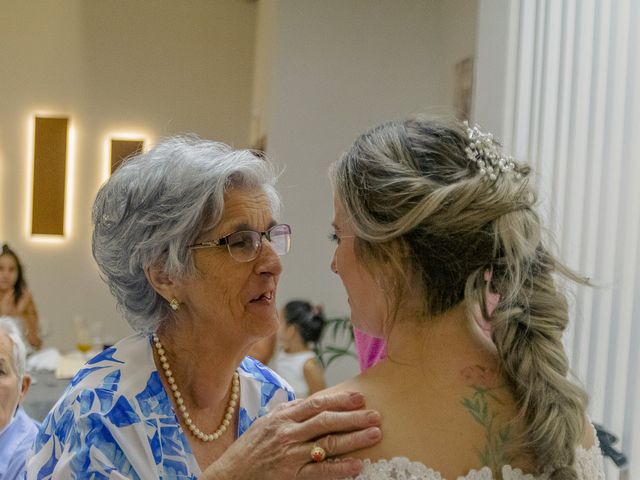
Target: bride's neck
444 343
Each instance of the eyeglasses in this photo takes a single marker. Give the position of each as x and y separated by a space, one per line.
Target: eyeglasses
245 245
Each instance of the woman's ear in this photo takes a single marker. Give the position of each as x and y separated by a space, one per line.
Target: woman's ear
24 386
161 282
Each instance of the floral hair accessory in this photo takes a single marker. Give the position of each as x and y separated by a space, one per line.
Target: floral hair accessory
485 152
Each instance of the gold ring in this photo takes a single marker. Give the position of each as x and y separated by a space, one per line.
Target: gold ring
318 454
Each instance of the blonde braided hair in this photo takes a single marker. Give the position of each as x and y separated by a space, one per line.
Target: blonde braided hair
410 187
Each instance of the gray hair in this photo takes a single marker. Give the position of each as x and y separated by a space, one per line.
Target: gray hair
156 205
9 326
418 205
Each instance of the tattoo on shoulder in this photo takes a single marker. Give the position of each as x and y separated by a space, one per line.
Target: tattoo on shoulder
481 405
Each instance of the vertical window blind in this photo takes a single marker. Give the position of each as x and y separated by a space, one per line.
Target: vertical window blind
571 108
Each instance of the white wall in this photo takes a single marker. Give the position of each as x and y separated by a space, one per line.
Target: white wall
326 71
341 67
261 100
159 68
456 39
491 64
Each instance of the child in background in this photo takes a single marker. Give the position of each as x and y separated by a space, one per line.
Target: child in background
301 325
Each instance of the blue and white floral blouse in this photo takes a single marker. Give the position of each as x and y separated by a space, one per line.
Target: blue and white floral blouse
115 419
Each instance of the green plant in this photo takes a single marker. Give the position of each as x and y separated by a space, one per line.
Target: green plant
337 341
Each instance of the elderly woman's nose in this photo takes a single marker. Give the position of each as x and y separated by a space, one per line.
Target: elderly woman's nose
268 260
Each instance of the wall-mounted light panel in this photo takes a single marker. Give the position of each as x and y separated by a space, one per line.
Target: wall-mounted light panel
50 147
123 148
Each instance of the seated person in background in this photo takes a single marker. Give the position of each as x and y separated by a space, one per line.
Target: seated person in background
15 299
301 324
430 219
17 430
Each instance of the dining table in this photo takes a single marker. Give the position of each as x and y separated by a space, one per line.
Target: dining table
44 392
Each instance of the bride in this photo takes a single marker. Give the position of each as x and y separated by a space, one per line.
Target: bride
431 219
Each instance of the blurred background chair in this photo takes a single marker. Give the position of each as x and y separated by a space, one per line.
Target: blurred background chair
607 441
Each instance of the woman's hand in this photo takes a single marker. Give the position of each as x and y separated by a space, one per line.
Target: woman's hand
278 445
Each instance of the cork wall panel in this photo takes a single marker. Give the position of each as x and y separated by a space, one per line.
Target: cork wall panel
121 149
49 174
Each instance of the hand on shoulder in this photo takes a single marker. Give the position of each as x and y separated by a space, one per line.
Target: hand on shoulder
278 445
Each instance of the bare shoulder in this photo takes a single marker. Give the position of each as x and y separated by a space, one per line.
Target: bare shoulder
26 295
312 365
351 385
589 435
314 375
355 384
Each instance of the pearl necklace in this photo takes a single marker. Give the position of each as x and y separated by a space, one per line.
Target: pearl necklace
195 431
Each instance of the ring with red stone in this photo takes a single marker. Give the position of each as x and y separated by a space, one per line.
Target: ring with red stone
318 454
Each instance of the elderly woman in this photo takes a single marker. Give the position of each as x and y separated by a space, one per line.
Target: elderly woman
186 236
17 430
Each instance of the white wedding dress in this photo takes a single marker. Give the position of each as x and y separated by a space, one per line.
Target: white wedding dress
589 465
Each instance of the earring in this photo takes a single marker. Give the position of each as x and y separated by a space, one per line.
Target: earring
174 304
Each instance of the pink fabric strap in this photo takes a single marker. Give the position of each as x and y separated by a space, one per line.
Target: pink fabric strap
370 349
